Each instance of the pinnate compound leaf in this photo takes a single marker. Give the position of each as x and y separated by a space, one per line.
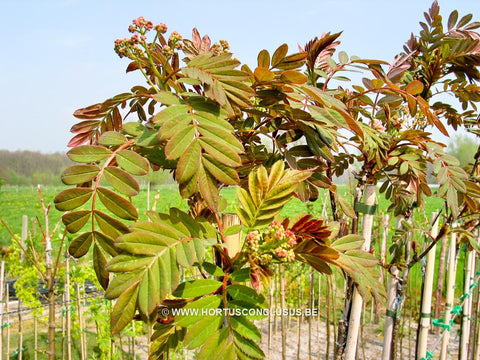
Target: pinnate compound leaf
76 220
80 245
124 310
88 153
132 162
79 174
117 204
121 181
71 199
195 288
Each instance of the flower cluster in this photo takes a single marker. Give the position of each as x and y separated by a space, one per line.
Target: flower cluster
275 244
136 45
221 48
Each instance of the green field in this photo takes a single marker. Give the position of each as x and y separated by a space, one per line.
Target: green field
18 201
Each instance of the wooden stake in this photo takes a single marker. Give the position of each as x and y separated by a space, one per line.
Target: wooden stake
2 307
383 247
68 318
328 311
282 300
440 280
357 301
426 307
24 236
81 323
20 330
234 242
467 306
310 307
299 318
270 324
7 319
391 313
35 337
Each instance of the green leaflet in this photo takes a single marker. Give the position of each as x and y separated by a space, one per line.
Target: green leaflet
99 265
193 311
141 243
76 220
245 328
199 333
214 345
348 242
79 174
71 199
188 163
121 181
267 193
196 288
245 293
80 245
112 138
109 225
88 153
124 309
117 204
132 162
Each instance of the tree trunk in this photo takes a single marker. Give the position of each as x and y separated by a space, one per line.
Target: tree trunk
426 307
467 306
440 280
357 301
450 295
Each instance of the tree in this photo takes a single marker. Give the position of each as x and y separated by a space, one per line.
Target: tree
204 121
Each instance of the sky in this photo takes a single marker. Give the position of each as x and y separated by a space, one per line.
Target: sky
57 55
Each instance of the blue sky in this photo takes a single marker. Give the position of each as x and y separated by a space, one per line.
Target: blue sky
57 55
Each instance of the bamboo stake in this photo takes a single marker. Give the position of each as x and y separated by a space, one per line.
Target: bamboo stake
357 301
310 307
391 313
233 242
2 307
426 307
7 318
467 307
270 324
473 316
24 236
440 279
328 311
83 353
282 300
133 340
383 248
35 337
20 330
68 318
299 318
